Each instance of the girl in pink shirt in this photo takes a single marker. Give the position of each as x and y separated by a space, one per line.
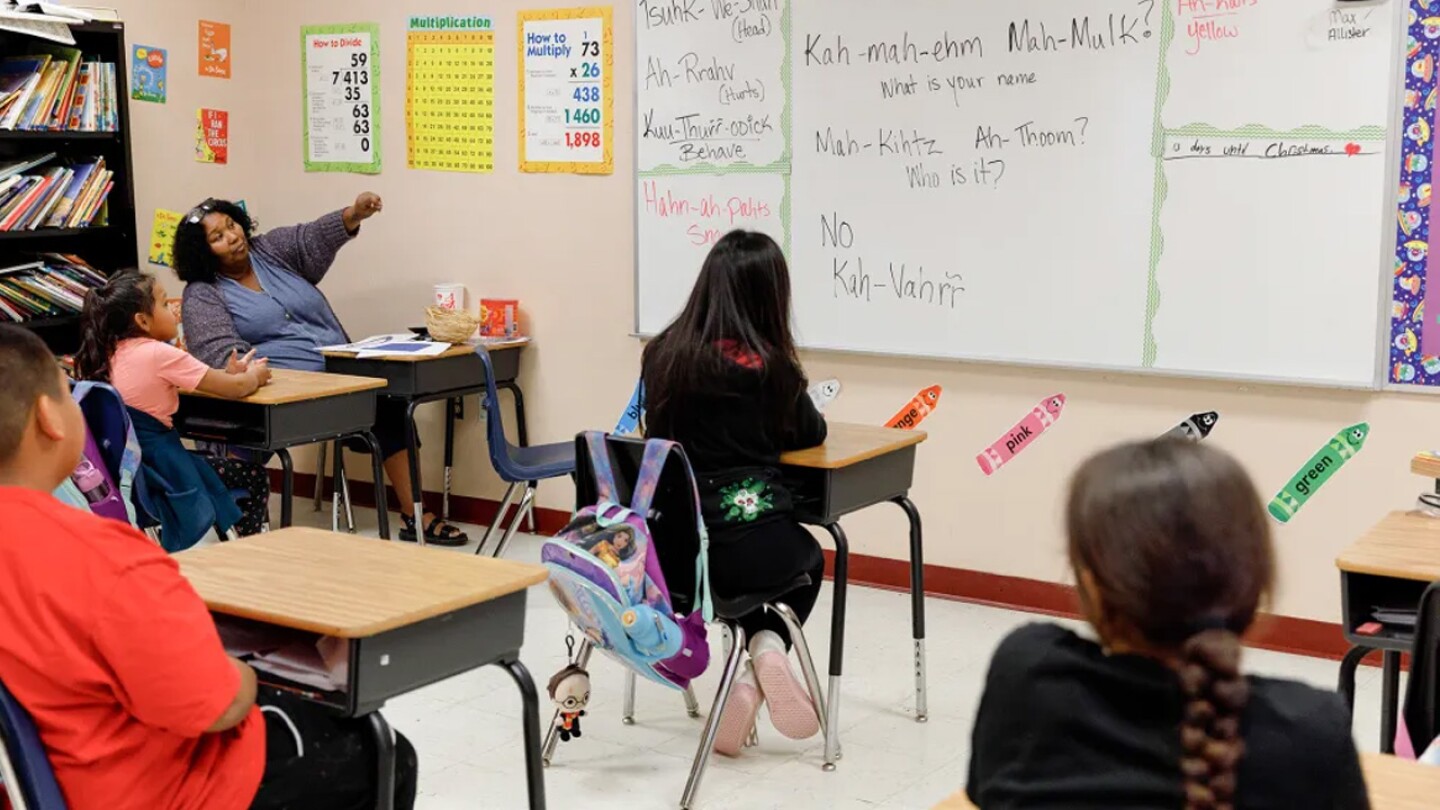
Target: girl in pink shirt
128 327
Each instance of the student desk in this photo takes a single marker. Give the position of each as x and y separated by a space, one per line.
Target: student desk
1390 566
296 408
451 376
1393 784
1428 465
859 466
412 616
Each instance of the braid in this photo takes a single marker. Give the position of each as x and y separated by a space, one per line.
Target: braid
1215 695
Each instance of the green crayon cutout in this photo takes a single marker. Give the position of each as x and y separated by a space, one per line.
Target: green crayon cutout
1318 470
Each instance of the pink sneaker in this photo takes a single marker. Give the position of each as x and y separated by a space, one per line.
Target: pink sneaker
737 719
791 710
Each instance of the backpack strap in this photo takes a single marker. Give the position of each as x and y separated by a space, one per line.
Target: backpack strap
702 558
656 453
600 465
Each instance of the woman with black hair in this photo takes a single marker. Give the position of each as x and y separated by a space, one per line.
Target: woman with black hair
258 292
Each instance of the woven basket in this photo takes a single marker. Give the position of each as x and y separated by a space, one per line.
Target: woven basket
450 325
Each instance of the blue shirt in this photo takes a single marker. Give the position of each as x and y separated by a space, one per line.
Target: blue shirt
287 321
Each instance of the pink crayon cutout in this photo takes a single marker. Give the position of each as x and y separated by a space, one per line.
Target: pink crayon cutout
1017 438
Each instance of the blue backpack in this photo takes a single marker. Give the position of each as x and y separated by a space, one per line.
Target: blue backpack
606 575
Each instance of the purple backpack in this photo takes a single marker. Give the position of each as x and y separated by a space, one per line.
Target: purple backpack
605 574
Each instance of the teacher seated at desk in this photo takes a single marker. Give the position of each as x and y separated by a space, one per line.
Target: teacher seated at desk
248 292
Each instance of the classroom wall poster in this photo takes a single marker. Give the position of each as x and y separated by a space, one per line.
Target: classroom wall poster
450 94
162 237
567 100
147 74
212 136
340 74
214 56
1414 330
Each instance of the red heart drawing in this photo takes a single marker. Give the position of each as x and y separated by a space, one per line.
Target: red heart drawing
1352 149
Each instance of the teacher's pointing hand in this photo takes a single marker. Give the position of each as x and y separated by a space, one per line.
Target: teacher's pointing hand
367 205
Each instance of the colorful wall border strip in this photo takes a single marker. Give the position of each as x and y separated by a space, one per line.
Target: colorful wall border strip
1414 359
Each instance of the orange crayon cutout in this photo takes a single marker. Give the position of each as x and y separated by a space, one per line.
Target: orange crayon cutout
916 409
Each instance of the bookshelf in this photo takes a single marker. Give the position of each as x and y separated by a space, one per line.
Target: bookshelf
108 247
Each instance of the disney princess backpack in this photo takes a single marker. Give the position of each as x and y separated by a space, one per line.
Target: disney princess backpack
605 573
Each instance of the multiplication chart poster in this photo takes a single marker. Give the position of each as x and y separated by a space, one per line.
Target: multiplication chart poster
567 103
340 67
450 94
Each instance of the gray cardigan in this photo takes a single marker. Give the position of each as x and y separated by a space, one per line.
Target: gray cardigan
307 250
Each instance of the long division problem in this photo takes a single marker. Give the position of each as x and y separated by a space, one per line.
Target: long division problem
450 94
341 68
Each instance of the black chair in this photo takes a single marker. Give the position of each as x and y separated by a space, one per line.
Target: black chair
673 522
1422 694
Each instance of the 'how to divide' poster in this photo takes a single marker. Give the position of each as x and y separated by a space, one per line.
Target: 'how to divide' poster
340 73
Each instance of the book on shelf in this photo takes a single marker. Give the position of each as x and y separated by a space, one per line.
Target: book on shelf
53 88
52 286
72 195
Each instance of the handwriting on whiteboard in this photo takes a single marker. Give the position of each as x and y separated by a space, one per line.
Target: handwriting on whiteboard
1211 21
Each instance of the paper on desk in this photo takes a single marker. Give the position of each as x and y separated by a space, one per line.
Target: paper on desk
399 345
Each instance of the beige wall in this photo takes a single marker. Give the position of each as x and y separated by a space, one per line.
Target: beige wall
563 245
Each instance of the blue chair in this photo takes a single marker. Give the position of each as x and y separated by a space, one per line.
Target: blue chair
24 766
520 467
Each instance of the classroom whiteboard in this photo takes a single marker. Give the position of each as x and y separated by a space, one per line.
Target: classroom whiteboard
1185 186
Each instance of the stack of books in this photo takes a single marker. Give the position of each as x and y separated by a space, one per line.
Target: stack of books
55 89
53 286
70 196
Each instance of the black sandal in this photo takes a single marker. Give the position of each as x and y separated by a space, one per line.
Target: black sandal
437 532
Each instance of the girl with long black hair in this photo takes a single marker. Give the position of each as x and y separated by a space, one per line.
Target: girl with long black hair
724 381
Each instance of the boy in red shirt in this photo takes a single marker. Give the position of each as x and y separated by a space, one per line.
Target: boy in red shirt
116 658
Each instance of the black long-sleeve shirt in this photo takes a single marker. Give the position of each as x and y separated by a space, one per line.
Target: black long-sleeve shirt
1063 725
733 434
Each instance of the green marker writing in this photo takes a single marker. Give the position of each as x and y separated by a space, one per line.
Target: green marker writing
1318 470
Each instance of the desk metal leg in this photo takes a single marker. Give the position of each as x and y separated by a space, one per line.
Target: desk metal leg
320 476
1389 700
521 431
382 511
837 645
450 406
336 475
534 768
917 606
1348 665
412 446
385 762
287 486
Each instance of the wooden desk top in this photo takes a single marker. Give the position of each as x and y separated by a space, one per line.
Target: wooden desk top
851 444
345 586
1399 784
288 386
1426 464
1393 783
454 351
1405 545
957 802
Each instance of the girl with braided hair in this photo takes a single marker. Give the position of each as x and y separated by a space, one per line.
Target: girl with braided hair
1171 551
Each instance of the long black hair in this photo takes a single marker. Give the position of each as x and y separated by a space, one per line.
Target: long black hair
194 260
741 299
109 317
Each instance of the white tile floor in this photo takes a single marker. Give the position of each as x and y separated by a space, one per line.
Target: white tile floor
468 735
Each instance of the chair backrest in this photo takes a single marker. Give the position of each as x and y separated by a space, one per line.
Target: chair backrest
1422 694
674 520
24 765
500 447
